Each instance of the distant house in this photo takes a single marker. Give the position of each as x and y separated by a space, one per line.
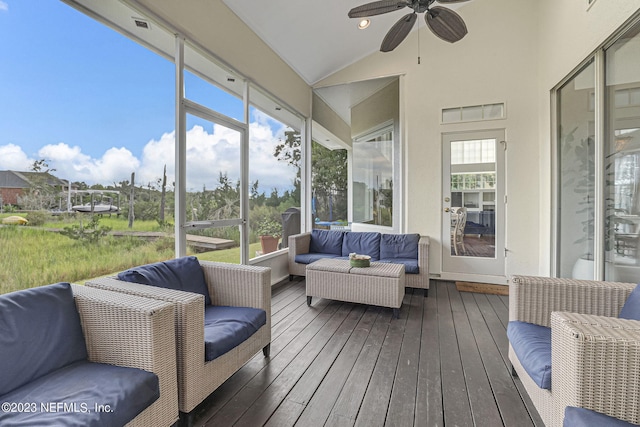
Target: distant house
14 184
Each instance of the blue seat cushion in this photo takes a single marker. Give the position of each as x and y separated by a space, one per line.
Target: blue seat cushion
364 243
410 264
181 274
312 257
399 246
227 327
326 242
40 332
631 307
83 386
532 345
581 417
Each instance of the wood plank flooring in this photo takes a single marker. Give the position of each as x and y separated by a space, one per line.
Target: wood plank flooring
442 363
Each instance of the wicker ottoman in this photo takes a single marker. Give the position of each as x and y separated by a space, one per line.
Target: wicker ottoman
381 284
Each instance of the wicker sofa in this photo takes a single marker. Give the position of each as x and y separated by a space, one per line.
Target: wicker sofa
229 286
412 250
581 354
72 355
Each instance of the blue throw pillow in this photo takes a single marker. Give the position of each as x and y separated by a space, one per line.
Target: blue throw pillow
326 242
631 307
181 274
40 332
399 246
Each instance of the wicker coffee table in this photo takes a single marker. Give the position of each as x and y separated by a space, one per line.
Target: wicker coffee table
381 284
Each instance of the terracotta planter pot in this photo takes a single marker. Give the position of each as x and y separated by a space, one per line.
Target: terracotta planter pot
269 244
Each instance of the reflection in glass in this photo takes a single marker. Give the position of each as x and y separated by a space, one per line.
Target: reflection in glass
473 181
373 180
576 168
622 158
329 181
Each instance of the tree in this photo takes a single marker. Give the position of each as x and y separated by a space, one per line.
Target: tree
164 194
42 193
328 171
289 152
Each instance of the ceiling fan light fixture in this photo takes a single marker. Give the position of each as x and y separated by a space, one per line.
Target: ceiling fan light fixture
364 23
443 22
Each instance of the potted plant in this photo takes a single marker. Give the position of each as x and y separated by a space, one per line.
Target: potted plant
269 231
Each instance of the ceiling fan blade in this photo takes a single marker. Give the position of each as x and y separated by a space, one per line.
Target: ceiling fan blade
451 1
446 24
377 8
398 32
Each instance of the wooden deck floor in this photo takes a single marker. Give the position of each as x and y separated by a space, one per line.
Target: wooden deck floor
442 363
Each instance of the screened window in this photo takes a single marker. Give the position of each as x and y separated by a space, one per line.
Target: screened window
373 179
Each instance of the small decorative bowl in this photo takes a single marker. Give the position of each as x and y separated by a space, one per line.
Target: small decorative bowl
360 261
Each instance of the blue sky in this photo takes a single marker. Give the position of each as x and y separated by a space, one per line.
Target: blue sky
98 106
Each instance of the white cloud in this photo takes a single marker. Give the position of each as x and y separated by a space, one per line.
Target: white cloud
13 158
115 165
3 6
208 155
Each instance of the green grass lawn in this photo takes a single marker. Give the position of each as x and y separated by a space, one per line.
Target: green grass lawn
34 256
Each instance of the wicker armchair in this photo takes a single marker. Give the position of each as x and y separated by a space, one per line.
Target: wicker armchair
595 356
144 340
228 284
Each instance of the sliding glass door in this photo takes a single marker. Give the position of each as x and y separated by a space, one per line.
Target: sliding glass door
576 167
622 158
598 165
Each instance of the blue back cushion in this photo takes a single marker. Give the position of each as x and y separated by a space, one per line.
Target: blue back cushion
40 332
182 274
326 242
631 307
227 327
399 246
532 345
364 243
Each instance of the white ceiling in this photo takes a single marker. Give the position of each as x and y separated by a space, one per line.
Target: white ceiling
316 37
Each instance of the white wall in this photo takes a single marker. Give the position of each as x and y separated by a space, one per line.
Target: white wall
495 62
516 52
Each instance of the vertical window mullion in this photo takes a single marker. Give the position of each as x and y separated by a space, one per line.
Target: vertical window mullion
180 153
600 198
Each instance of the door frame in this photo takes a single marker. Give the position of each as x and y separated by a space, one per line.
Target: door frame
465 268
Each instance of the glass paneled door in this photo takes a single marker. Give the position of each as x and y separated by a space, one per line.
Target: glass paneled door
622 159
473 208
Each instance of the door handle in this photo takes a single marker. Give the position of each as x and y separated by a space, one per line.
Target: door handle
446 209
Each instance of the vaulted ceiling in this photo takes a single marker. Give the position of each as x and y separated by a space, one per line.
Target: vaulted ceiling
317 38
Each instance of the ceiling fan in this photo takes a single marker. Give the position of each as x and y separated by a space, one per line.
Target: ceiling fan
443 22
